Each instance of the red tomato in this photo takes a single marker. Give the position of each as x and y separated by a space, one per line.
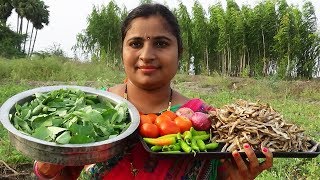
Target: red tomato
149 130
171 114
153 117
161 119
168 127
145 119
183 123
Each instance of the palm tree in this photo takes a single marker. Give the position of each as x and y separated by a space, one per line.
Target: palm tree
20 8
15 4
29 12
40 17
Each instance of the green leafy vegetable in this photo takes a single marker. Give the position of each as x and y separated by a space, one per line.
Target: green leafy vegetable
63 138
70 116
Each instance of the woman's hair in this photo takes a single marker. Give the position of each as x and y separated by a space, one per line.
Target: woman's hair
146 10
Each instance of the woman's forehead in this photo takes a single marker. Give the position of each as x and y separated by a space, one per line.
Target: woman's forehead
149 27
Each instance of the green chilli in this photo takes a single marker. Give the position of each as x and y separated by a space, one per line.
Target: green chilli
185 147
201 145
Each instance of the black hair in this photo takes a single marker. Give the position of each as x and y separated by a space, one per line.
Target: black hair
146 10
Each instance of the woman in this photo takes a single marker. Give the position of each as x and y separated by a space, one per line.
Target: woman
151 47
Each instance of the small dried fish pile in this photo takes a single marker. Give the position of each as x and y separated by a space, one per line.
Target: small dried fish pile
257 124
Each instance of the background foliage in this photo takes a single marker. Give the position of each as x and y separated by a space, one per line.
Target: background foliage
21 42
271 38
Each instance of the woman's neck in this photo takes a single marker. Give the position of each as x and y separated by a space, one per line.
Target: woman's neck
149 101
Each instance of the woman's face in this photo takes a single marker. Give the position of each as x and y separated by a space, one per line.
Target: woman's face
150 52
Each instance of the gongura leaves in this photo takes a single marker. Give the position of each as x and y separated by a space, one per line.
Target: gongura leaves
70 116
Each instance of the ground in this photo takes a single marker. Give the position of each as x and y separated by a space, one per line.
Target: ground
16 172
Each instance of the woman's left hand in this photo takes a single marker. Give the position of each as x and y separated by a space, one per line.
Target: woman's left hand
238 168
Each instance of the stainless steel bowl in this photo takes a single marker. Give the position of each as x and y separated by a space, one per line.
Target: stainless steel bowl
67 154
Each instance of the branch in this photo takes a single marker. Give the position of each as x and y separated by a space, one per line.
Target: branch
7 166
14 175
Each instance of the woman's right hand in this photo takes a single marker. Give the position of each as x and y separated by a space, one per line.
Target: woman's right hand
49 170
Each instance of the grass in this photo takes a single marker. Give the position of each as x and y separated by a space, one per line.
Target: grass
7 152
298 101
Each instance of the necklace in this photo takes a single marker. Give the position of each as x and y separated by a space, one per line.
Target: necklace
134 170
125 95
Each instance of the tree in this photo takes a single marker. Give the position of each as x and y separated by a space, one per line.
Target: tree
145 1
102 37
284 42
9 40
267 18
39 19
216 37
29 14
199 36
309 50
186 35
5 10
234 30
218 18
270 38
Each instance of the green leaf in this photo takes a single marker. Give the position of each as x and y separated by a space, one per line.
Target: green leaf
25 113
56 130
80 103
102 138
64 138
56 104
37 109
106 130
94 117
41 116
52 109
93 98
122 109
22 124
61 113
89 102
81 139
101 107
57 121
125 127
113 136
108 114
69 122
42 133
34 104
87 130
18 107
100 132
42 121
106 102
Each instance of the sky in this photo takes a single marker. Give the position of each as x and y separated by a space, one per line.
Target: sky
69 17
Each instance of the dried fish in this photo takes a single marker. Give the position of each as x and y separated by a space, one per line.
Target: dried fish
259 125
